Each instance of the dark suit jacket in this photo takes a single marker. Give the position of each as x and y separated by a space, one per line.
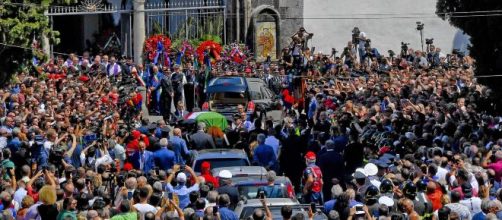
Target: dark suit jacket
167 87
201 140
149 161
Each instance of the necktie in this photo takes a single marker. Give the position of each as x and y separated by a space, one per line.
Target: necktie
142 161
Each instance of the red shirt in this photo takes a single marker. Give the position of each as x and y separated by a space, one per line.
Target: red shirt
435 197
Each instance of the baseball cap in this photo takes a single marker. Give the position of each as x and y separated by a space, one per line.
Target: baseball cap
310 155
359 174
205 165
225 174
370 169
181 177
385 200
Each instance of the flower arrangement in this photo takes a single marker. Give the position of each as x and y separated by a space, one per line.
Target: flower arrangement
209 50
155 46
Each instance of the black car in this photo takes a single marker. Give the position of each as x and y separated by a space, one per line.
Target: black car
224 94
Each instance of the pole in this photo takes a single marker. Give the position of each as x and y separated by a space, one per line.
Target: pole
139 29
238 20
186 24
422 38
225 22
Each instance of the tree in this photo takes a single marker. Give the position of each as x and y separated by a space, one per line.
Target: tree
480 20
22 22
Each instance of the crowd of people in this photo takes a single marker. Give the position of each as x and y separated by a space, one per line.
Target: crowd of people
368 137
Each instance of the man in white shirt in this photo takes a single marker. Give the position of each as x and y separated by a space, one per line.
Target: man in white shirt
143 207
473 203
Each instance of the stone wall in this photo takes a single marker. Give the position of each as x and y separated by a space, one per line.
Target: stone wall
290 13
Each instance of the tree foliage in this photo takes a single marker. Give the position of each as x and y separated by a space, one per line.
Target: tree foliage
484 26
21 23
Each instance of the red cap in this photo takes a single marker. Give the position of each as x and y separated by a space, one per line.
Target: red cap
127 166
310 155
206 165
383 150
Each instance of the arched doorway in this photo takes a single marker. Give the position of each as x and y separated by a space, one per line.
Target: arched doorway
264 34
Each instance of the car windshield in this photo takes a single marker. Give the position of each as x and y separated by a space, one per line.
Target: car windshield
227 81
251 191
222 162
226 95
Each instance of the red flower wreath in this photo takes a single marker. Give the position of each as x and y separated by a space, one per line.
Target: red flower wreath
152 42
214 53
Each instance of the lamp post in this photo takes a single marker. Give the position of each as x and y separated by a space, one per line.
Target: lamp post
420 27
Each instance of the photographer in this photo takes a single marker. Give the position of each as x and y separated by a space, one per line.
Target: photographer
262 214
181 189
349 53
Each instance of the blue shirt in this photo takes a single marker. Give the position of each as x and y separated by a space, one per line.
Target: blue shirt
183 192
479 216
164 158
312 108
264 155
227 214
329 205
180 149
14 145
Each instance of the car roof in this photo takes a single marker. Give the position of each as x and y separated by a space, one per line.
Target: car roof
242 170
270 202
227 84
220 153
256 180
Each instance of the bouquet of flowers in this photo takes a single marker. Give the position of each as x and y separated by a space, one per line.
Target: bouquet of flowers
157 47
209 52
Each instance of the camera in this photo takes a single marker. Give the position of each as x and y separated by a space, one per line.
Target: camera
429 41
404 46
355 35
391 53
333 51
420 26
367 44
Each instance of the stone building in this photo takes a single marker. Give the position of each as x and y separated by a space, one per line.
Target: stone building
250 21
264 25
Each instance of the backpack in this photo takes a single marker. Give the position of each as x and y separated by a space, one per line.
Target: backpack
317 175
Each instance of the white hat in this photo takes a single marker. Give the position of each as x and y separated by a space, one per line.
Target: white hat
386 201
359 173
370 169
225 174
181 178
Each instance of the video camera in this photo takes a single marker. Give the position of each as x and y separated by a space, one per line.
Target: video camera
333 52
404 47
429 41
420 26
367 44
355 35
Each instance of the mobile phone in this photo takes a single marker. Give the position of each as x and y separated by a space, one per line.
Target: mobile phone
129 195
262 195
313 206
215 210
359 208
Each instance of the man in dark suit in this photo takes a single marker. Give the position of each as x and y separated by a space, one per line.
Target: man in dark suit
166 97
332 164
201 140
177 80
164 158
152 139
142 159
180 112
